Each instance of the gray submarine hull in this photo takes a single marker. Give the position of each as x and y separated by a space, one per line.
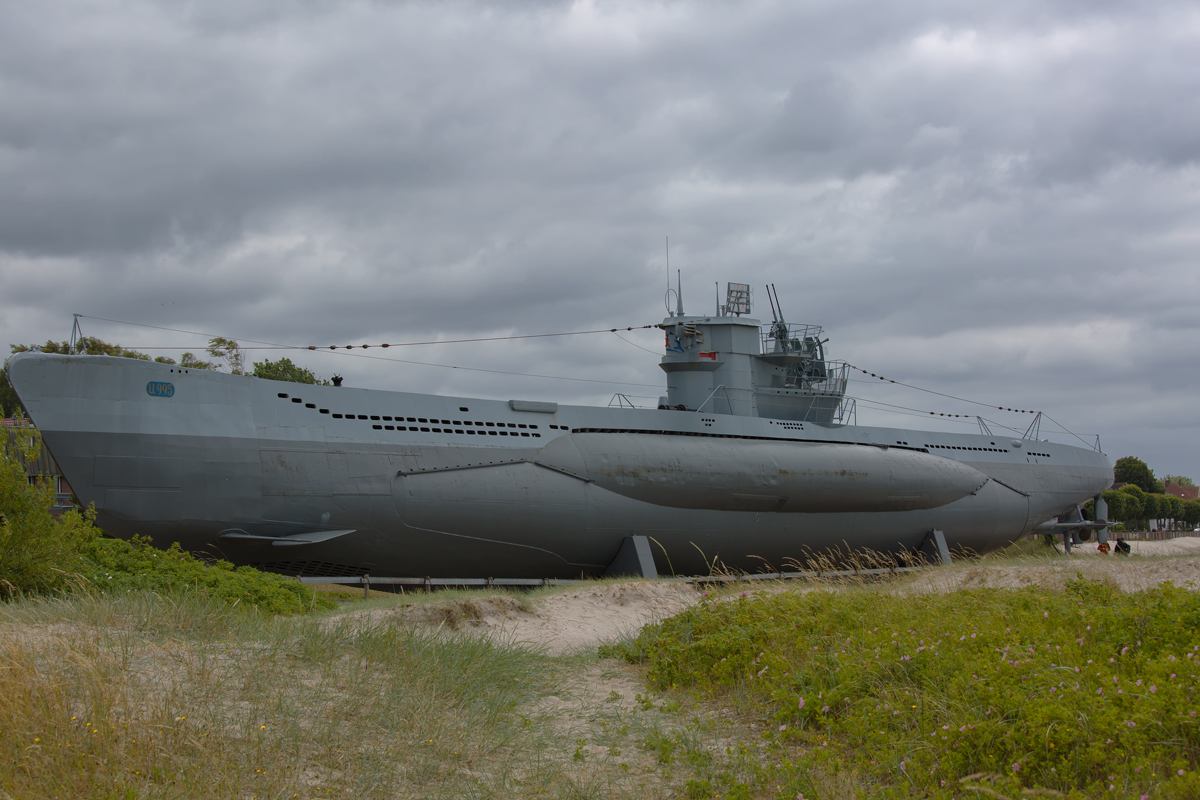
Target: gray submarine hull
337 481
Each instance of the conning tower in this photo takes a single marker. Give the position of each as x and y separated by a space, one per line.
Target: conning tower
731 363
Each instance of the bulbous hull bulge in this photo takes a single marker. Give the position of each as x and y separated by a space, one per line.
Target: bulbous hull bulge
762 475
414 485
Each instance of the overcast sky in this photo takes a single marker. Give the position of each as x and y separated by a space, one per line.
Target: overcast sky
993 201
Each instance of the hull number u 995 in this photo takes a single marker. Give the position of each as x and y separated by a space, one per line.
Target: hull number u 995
160 389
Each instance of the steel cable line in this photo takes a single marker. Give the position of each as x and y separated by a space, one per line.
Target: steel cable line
962 418
365 346
1068 430
277 346
494 371
919 411
635 344
965 419
898 410
940 394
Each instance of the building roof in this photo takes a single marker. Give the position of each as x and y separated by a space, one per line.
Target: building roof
1184 492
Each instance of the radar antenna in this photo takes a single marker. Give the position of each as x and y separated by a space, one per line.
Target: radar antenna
737 298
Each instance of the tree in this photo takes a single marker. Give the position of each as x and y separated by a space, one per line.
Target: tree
190 361
85 344
1149 507
1133 504
1179 480
1191 513
1170 507
227 350
1131 469
10 404
1116 504
284 370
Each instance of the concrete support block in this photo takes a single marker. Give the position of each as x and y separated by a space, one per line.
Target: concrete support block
934 547
633 559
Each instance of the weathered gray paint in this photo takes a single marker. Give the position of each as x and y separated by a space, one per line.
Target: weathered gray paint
225 453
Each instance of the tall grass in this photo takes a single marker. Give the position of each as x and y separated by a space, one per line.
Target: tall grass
152 696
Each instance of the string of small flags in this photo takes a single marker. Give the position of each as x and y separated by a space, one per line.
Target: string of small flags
481 339
952 397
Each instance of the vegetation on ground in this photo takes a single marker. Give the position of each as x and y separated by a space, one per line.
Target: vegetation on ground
181 697
40 553
1085 691
776 691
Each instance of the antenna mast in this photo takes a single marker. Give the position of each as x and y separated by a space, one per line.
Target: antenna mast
667 296
76 335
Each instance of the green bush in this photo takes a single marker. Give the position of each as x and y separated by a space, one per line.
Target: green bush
35 549
1086 691
113 565
39 553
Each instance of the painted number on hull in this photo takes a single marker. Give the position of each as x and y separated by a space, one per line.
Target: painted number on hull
160 389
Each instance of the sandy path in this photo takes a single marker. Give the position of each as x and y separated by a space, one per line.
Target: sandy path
1189 545
562 623
581 619
1151 563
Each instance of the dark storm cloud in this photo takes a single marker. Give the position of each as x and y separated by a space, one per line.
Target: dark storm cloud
994 201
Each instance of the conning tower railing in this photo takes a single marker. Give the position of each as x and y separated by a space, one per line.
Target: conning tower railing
800 338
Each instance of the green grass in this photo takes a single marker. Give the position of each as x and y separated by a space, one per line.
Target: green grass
1073 691
113 566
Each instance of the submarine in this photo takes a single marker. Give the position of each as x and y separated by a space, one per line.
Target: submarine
749 462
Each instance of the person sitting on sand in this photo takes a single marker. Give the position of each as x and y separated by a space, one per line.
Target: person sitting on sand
1103 548
1122 546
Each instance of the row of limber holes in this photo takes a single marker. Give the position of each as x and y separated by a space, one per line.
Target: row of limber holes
470 431
987 449
384 418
